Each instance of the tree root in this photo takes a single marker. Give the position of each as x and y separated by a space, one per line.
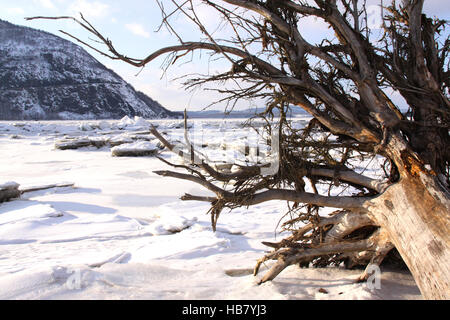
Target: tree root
346 237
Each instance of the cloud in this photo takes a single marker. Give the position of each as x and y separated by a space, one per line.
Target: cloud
15 11
137 29
45 3
89 9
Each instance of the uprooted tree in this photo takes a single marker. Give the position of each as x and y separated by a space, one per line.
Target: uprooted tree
343 83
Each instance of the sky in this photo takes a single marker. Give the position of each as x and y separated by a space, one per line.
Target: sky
132 25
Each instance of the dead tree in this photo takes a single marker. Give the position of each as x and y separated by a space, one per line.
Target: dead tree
342 83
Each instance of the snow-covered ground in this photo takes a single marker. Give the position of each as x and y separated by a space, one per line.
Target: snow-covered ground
122 232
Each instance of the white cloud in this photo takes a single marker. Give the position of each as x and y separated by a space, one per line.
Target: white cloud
137 29
15 11
89 9
45 3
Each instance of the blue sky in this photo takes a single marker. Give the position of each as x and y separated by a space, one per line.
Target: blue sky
131 26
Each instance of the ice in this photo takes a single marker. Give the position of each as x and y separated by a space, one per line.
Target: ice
138 148
140 122
104 125
125 121
168 222
123 233
85 126
17 211
136 123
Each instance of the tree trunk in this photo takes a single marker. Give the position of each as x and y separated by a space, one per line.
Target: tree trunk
416 214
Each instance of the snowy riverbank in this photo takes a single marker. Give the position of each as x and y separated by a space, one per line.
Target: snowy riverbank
123 233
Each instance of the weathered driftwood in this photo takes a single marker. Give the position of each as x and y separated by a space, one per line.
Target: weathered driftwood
68 143
47 186
11 190
76 143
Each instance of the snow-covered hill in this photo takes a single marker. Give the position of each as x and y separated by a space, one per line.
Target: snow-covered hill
43 76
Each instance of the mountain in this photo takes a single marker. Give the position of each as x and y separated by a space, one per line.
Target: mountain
45 77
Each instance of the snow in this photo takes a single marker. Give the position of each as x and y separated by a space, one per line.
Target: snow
9 185
138 147
136 123
123 233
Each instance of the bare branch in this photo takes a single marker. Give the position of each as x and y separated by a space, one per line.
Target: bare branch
221 193
352 177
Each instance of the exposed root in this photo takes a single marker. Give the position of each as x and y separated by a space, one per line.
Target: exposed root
291 256
383 246
349 235
346 237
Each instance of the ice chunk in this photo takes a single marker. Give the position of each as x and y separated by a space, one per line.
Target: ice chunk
85 126
125 121
140 122
135 149
104 125
171 224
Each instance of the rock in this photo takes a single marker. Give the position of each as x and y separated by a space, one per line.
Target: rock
9 190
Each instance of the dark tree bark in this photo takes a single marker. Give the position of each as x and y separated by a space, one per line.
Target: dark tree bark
342 84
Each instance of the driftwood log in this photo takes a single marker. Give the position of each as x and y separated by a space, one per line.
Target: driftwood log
11 190
72 143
